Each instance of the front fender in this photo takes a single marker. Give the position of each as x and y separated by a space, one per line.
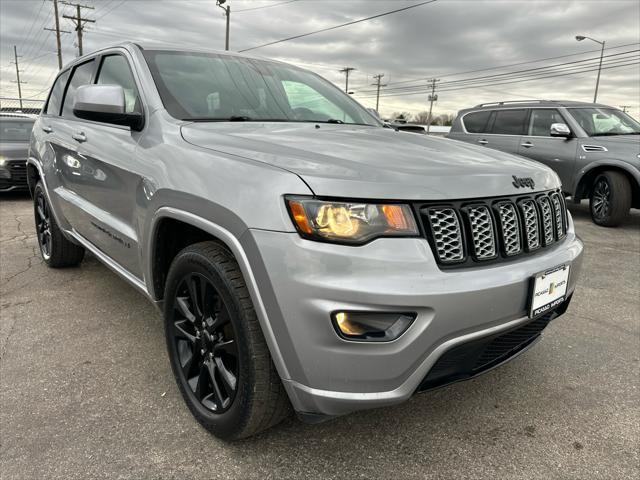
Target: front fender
605 162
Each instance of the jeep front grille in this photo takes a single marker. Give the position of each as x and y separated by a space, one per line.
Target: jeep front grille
464 233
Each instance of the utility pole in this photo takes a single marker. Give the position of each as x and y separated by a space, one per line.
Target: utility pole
347 71
625 108
378 85
583 37
18 81
227 13
78 21
58 32
432 98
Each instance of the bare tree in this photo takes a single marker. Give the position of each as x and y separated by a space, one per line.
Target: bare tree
421 118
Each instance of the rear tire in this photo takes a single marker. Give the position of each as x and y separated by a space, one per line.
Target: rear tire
610 199
217 351
56 250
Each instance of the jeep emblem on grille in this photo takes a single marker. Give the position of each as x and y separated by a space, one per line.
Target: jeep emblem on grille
523 182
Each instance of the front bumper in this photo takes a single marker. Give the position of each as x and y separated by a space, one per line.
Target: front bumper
13 176
301 282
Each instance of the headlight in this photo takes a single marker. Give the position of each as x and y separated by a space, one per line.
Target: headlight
350 222
3 161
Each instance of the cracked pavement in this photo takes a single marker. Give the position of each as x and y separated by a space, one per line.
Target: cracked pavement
87 392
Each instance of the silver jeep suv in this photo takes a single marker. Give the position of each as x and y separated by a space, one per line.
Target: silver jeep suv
595 149
302 254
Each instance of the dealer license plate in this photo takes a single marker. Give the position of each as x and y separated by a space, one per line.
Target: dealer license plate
549 290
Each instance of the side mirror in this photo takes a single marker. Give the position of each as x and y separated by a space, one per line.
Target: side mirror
105 103
560 130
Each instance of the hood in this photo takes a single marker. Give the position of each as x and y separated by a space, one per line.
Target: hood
14 150
373 162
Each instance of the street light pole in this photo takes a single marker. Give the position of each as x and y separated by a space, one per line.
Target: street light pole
227 13
582 37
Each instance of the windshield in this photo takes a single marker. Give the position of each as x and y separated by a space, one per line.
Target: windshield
15 130
213 87
605 121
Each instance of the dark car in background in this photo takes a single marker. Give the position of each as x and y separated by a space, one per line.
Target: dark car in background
15 131
594 148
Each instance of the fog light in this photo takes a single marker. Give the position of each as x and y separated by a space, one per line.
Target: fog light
371 326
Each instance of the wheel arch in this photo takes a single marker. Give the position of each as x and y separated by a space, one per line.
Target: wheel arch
588 174
33 176
201 229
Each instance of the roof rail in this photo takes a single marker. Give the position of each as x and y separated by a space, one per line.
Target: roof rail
509 102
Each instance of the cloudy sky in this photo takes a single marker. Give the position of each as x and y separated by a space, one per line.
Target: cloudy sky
470 45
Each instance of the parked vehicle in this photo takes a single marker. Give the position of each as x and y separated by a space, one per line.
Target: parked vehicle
302 254
595 149
15 131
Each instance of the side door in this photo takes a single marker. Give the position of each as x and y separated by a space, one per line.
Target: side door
105 178
506 129
559 153
58 150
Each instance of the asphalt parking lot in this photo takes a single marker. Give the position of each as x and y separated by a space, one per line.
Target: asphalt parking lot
87 392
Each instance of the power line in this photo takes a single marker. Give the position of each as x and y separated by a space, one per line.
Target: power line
265 6
471 86
516 64
35 19
512 75
353 22
111 10
516 72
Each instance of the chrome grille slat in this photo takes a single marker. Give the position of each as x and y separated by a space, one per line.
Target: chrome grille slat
547 220
510 228
556 201
481 223
531 221
447 234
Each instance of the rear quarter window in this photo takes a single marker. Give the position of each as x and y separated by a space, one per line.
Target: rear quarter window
57 92
476 122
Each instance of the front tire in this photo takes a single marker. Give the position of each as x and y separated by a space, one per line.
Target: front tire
56 250
610 200
217 351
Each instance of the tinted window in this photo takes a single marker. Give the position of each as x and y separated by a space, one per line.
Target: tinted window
541 120
605 121
15 130
55 99
115 71
509 122
477 122
215 87
81 76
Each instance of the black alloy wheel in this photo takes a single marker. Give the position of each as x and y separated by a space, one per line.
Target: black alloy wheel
601 199
43 224
610 199
205 343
